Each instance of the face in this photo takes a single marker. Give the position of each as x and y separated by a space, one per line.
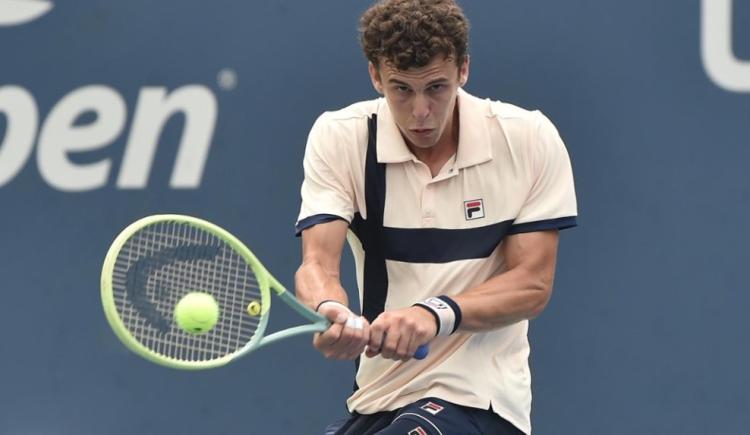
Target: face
422 100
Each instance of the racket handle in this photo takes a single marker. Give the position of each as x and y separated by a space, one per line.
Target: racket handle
422 352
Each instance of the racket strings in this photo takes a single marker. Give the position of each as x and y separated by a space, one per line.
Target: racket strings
162 263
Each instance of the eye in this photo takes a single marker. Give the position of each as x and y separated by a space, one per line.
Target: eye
402 89
437 87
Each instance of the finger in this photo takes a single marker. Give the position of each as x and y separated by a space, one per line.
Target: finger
375 342
390 343
359 338
329 342
365 335
418 334
348 335
335 313
351 321
404 346
327 338
413 346
351 338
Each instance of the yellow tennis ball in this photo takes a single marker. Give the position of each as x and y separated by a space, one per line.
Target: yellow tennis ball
253 308
196 312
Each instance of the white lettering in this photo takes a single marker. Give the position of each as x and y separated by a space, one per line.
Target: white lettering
22 117
154 109
60 136
67 130
721 65
15 12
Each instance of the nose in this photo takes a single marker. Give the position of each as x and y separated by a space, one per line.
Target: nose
421 108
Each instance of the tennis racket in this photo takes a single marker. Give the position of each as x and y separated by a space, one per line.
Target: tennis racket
157 260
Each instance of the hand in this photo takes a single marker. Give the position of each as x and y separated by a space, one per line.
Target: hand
397 334
347 336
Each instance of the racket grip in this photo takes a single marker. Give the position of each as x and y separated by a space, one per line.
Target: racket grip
422 352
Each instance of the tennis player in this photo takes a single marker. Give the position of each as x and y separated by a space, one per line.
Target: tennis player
452 206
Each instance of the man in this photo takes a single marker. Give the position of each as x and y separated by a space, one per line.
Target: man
451 205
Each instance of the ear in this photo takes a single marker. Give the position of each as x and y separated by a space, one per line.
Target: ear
463 71
375 77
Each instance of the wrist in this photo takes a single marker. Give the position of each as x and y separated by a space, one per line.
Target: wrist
446 312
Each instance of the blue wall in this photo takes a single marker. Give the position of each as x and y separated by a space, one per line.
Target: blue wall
647 329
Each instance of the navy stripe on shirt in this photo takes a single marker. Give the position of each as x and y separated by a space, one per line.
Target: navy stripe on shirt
315 220
440 245
548 224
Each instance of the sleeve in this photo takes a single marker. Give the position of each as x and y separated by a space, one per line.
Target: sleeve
327 191
551 202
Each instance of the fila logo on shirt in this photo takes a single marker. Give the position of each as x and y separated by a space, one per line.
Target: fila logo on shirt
418 431
473 209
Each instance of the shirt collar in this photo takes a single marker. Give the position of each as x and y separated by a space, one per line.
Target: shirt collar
474 145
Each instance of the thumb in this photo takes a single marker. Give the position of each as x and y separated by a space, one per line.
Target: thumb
334 311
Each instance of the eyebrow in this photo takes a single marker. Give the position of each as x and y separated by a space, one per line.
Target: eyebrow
431 83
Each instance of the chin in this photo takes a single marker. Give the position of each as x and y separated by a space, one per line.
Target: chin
423 142
423 146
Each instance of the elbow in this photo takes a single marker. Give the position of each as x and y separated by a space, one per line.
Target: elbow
541 293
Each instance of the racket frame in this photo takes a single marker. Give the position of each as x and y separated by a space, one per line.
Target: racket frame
266 282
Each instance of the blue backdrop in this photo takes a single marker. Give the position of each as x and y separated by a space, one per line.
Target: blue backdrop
646 331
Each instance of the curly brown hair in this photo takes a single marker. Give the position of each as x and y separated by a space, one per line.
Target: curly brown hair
410 33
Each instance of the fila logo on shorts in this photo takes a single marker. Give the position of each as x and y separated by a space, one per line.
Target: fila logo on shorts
473 209
418 431
432 408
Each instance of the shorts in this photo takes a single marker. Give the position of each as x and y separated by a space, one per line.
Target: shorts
430 416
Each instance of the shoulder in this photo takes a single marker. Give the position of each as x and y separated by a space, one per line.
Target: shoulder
522 127
515 122
347 119
531 136
518 135
341 135
517 118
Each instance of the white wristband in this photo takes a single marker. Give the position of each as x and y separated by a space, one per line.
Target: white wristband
446 316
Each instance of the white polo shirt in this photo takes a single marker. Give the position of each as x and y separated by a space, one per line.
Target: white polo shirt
425 236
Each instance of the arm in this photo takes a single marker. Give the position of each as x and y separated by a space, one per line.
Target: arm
521 292
317 280
318 277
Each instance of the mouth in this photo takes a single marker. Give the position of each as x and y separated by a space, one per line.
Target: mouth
422 131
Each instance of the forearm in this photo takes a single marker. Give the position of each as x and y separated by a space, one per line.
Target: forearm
318 280
315 284
318 277
510 297
519 293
